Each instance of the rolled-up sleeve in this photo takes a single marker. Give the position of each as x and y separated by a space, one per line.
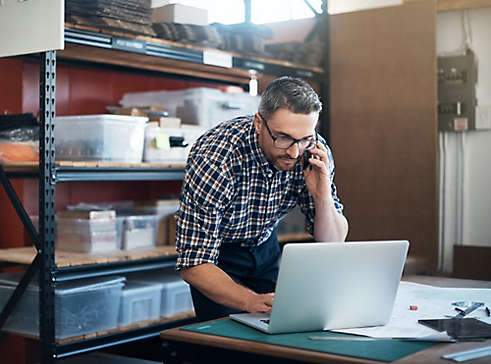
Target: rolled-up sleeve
306 202
205 195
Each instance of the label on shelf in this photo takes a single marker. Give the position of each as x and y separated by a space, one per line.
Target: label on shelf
126 44
217 59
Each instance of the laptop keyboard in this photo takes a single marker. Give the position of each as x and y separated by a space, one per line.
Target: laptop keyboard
265 321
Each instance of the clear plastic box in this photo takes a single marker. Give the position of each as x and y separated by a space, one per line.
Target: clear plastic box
139 302
163 213
109 138
176 294
154 152
86 235
176 298
208 109
136 231
81 306
202 106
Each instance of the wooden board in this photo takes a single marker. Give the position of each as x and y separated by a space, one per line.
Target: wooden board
384 125
195 47
25 255
140 324
33 166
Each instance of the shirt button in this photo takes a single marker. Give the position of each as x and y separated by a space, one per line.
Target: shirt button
270 174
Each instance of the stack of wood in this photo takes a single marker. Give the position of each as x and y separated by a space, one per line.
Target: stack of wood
308 53
131 16
245 38
203 35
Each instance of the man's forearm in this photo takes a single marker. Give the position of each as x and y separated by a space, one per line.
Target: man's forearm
217 285
329 224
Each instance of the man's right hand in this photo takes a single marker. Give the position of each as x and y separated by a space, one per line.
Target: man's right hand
219 287
259 302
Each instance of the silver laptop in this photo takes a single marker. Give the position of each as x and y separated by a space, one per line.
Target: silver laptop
327 286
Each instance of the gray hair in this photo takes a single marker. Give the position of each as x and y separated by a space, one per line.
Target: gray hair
289 93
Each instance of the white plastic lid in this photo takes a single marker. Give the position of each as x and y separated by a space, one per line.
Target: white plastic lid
11 279
102 117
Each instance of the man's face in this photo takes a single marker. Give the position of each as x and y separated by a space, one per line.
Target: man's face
284 123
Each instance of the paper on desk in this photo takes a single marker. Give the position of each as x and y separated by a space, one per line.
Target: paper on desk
432 302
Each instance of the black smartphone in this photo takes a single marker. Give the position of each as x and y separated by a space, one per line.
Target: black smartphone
306 156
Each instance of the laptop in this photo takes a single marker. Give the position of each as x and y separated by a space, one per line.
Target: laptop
327 286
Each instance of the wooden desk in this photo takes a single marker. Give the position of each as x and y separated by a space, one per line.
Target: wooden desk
201 348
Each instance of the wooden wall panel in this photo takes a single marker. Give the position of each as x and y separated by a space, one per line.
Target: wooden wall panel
383 123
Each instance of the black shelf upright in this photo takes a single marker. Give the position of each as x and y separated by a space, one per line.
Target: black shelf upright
44 261
47 183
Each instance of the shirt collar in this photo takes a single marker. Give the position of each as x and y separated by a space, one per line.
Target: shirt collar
257 152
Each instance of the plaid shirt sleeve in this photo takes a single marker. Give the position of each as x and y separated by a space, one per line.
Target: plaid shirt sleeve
205 195
306 201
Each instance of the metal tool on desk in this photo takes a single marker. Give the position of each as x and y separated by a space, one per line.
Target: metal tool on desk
464 308
469 354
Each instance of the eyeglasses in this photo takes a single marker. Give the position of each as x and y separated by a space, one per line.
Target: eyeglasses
285 142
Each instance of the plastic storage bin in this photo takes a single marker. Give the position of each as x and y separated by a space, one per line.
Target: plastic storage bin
86 236
176 298
207 109
199 106
110 138
158 150
163 210
136 231
139 302
176 294
81 307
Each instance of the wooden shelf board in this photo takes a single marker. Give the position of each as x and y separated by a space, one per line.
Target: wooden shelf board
141 61
33 166
137 325
25 255
195 47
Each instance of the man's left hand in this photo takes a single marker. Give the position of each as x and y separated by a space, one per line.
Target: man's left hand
318 175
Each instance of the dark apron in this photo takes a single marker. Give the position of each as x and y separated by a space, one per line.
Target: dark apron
255 267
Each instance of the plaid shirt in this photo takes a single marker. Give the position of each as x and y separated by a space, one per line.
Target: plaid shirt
232 194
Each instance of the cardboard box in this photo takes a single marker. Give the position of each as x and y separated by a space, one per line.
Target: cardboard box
177 13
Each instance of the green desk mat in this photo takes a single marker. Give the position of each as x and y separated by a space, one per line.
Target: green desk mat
383 350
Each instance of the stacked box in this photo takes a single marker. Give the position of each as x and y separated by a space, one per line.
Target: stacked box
175 293
136 231
139 302
81 306
107 138
86 231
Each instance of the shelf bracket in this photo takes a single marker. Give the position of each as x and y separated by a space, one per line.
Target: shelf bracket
19 208
19 290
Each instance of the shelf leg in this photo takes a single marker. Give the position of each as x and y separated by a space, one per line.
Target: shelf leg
47 99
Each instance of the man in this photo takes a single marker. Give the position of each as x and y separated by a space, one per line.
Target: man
242 177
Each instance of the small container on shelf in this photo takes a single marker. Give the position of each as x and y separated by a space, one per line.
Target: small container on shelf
139 302
105 137
175 293
86 236
81 306
164 211
169 145
136 231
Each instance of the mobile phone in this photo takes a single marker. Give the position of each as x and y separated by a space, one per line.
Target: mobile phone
306 156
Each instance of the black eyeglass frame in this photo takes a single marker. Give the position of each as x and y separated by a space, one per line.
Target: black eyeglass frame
313 141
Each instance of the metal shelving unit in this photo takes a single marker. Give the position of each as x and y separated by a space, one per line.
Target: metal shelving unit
50 173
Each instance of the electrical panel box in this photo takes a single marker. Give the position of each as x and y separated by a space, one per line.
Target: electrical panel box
31 26
457 77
